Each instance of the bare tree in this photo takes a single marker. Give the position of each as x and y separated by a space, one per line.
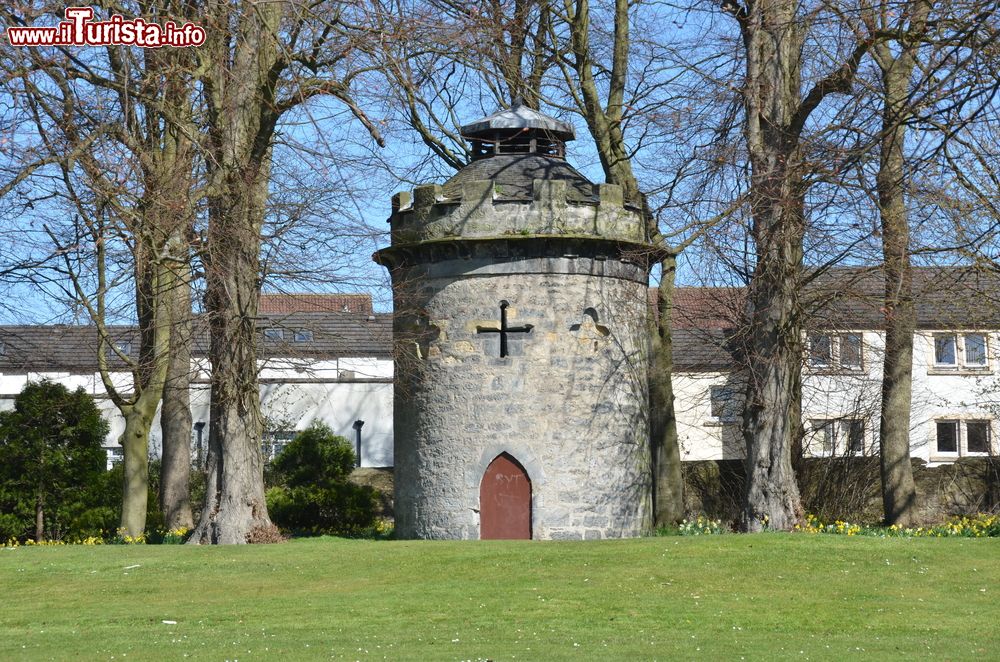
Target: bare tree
117 126
605 121
896 66
259 61
776 112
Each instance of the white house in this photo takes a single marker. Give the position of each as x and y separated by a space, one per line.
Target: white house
955 366
329 358
323 358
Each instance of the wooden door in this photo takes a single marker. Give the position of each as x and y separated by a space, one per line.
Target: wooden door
505 501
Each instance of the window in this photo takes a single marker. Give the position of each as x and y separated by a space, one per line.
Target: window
947 437
820 350
832 437
118 349
823 441
115 455
274 442
966 350
977 436
274 334
944 350
835 350
963 437
975 349
850 350
854 432
303 335
723 403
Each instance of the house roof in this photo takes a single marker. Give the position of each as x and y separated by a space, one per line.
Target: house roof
58 348
945 298
67 348
334 335
702 350
707 307
277 304
706 319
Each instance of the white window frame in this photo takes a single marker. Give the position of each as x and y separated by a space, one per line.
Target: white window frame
961 362
302 335
986 351
817 447
840 431
116 454
955 351
813 363
836 339
845 432
962 438
274 334
937 452
861 350
275 441
989 437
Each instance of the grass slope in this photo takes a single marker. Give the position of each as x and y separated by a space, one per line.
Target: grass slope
770 595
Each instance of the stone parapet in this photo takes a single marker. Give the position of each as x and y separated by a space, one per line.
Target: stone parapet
481 211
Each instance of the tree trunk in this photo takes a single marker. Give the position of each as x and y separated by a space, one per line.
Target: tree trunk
776 112
234 503
773 43
243 118
898 489
153 280
175 413
40 517
135 446
668 483
773 379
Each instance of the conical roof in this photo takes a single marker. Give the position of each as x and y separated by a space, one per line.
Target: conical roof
517 118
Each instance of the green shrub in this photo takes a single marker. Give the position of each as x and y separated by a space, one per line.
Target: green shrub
51 461
309 491
11 527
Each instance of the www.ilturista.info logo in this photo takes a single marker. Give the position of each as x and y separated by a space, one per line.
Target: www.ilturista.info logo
79 30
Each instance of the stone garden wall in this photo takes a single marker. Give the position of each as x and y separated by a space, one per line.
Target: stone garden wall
849 488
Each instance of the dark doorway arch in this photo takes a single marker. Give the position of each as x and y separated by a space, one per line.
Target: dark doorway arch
505 501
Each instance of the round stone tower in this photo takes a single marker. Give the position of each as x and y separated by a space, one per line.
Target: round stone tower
521 345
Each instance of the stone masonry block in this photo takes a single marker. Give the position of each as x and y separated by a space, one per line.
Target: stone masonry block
402 201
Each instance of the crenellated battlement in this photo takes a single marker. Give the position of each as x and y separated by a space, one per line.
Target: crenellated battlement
480 209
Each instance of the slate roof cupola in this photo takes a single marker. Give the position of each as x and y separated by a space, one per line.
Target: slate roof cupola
518 130
513 148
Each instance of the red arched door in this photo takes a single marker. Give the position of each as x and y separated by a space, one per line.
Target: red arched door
505 501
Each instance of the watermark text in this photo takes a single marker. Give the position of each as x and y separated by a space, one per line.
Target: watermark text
79 29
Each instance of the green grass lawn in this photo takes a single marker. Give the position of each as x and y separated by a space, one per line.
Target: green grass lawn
728 597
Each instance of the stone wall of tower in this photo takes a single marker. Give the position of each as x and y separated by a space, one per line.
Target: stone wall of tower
569 402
